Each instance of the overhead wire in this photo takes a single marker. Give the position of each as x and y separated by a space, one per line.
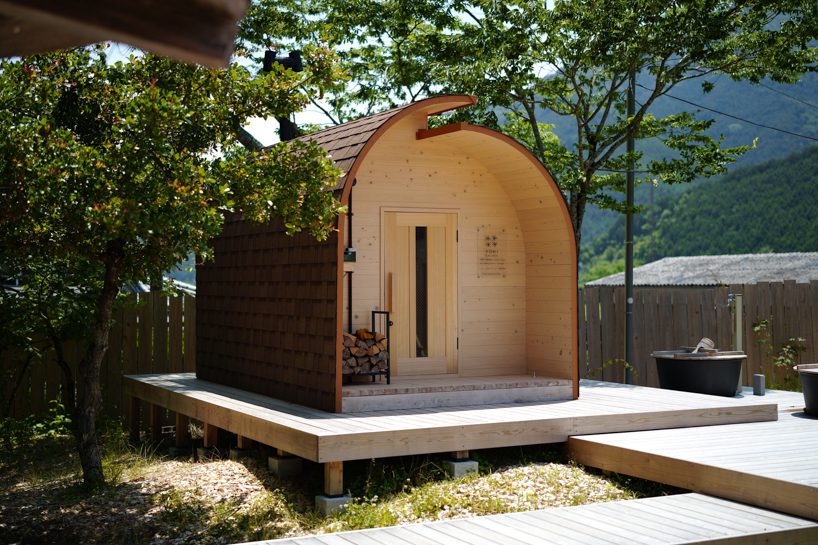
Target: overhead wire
791 97
738 118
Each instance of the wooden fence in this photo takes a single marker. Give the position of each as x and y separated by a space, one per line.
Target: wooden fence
154 333
667 318
151 333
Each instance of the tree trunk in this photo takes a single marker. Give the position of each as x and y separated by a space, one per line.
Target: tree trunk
90 396
576 208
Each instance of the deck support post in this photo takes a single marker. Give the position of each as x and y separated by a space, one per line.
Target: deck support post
211 435
156 423
133 420
333 500
182 431
242 449
460 464
181 440
284 465
210 440
333 478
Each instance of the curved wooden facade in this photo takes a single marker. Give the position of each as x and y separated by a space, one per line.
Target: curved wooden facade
460 232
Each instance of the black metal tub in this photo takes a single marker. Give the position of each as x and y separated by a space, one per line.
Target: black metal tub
712 372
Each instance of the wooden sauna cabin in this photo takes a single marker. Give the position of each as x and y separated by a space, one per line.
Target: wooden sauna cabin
457 232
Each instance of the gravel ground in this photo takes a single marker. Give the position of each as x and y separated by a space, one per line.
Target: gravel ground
162 501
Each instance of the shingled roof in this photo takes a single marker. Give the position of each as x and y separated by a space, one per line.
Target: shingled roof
719 270
346 143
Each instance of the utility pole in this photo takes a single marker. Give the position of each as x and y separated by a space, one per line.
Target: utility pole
631 147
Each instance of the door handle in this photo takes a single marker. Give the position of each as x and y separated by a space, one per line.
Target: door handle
389 292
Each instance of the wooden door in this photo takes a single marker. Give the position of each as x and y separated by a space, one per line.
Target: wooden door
420 267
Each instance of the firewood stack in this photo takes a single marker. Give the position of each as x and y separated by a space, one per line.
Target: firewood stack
365 352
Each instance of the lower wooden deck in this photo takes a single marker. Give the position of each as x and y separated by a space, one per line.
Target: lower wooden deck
768 464
330 437
685 519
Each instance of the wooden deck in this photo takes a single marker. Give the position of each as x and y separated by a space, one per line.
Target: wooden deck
665 520
332 437
768 464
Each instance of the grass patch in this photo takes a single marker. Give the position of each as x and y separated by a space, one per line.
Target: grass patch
153 499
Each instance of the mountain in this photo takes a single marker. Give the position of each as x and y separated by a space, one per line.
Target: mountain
771 207
793 108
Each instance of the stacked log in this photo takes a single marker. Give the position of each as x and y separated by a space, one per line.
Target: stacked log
365 352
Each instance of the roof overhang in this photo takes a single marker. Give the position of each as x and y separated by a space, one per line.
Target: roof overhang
200 31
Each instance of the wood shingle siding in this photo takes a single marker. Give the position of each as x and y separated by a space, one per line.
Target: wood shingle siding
267 314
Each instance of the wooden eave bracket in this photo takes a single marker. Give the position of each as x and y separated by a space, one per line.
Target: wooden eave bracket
422 134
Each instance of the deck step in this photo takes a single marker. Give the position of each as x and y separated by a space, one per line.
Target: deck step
457 392
769 464
683 519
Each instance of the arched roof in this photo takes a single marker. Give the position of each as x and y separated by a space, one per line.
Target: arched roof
348 143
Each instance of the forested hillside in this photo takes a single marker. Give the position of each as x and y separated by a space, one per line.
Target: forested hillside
771 207
793 108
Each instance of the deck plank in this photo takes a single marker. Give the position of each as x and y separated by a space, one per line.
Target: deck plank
690 519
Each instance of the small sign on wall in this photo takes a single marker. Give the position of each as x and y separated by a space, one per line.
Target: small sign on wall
491 252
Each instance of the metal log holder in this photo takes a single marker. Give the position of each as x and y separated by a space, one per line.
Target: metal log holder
387 325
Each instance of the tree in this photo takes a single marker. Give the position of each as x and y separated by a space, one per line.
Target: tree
524 58
119 171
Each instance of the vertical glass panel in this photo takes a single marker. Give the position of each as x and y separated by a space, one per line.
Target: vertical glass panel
421 294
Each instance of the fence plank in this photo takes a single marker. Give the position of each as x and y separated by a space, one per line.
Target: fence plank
190 333
639 357
608 338
53 379
159 325
112 366
582 322
813 338
144 316
175 338
592 369
723 316
22 401
650 323
618 344
803 320
38 401
129 338
752 315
